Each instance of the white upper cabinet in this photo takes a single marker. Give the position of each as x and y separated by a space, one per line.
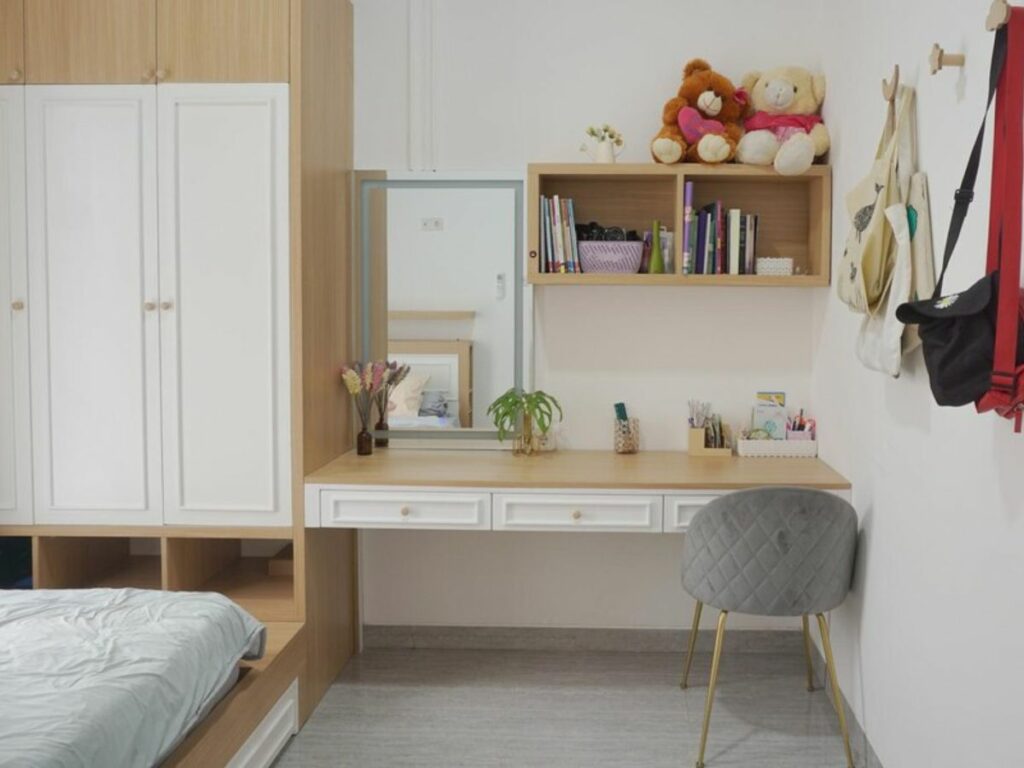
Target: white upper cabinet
15 427
224 276
93 285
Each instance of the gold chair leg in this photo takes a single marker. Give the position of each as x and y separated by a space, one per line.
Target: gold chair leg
807 654
691 645
715 662
831 665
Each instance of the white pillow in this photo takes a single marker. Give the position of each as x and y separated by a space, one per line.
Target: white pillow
408 395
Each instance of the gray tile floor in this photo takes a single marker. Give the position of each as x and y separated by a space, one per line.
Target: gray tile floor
443 708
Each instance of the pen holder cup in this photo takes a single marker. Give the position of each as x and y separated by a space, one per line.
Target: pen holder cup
627 436
696 445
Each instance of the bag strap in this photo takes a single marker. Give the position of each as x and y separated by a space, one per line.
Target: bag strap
964 195
1006 206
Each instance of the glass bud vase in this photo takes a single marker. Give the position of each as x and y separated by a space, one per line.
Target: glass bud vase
364 442
380 429
525 442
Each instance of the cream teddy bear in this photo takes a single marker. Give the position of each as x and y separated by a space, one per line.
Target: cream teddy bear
785 129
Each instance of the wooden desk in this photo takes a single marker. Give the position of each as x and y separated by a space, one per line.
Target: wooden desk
653 491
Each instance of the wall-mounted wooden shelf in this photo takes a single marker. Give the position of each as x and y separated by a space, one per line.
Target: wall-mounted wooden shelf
794 215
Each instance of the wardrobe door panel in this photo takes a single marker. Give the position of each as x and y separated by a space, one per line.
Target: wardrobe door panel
93 276
12 41
223 41
224 278
90 41
15 426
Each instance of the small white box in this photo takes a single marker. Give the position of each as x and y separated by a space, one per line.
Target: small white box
774 266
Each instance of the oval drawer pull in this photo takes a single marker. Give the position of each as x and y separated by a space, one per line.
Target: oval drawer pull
577 514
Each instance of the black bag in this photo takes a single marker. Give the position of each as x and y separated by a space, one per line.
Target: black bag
958 332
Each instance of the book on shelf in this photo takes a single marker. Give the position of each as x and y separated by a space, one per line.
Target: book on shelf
559 246
688 241
721 241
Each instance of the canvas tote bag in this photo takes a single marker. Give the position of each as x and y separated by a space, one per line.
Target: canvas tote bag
866 263
883 338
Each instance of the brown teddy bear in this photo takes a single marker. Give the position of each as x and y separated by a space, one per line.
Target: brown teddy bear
704 122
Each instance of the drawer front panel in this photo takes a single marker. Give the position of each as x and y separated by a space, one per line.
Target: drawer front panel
398 509
680 510
570 512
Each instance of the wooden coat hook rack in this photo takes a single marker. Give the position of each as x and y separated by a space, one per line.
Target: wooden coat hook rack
939 59
998 15
891 86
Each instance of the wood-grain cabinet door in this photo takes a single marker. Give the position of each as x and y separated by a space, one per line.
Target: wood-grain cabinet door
224 261
93 285
12 41
15 427
228 41
90 41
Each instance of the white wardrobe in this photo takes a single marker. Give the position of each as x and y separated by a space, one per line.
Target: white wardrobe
156 222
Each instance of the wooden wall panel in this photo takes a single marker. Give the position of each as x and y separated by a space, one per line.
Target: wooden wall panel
90 41
12 41
190 563
321 87
227 41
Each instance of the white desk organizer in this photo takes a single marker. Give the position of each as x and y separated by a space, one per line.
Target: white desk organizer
781 449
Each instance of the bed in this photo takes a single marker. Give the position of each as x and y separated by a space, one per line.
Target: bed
113 677
448 364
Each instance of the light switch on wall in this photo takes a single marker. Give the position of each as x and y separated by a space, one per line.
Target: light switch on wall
434 224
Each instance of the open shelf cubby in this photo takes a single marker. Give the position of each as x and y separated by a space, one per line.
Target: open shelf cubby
256 574
84 562
794 214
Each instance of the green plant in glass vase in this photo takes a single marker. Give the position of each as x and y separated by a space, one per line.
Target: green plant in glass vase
527 416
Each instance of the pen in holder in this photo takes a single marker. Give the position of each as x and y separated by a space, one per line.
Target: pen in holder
627 435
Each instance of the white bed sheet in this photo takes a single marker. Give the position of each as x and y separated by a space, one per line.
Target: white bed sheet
104 678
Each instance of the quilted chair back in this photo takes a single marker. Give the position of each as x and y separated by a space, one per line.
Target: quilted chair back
771 552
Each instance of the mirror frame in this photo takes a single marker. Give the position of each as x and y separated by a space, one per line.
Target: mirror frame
364 281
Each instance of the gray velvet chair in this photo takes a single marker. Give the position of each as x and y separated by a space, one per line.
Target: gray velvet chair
770 552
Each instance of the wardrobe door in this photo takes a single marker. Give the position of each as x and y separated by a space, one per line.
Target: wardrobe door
15 426
93 289
226 41
12 41
224 276
90 41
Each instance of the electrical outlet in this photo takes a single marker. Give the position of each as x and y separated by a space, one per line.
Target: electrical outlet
432 224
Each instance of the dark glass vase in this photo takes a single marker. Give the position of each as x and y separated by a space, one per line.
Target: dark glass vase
381 440
364 443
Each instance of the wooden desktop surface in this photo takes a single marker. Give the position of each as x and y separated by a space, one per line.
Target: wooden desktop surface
661 470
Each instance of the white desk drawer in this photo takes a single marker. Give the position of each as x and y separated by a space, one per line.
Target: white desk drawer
571 512
405 509
680 509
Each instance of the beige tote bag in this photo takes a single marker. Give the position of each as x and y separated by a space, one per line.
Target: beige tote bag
867 260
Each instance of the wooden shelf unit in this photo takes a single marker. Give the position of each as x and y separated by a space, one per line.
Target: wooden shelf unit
77 562
794 215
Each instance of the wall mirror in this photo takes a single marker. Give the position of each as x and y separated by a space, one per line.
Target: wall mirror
441 289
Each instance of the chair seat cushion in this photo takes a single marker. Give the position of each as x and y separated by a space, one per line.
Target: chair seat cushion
771 552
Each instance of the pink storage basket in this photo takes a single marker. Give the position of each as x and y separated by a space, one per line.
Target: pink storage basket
616 256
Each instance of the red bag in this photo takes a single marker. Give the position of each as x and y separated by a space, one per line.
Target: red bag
1006 392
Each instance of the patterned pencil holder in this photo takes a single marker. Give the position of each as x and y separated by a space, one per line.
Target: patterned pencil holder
627 436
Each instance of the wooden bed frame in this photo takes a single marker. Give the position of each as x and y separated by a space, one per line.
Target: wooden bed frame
460 349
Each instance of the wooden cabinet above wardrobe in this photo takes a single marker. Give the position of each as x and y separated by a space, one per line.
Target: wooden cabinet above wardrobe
12 42
145 41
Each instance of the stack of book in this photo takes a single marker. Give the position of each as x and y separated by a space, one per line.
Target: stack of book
717 240
559 248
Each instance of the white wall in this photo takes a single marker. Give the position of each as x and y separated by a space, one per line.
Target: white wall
928 642
457 268
518 82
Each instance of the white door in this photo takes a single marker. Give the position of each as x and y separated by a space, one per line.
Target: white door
224 276
93 284
15 425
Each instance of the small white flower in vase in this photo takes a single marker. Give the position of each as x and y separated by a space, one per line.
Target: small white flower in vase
606 146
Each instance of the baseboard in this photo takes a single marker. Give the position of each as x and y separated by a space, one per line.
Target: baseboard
575 639
863 751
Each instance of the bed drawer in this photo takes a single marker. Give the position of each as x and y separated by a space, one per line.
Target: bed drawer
571 512
405 509
268 739
680 509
